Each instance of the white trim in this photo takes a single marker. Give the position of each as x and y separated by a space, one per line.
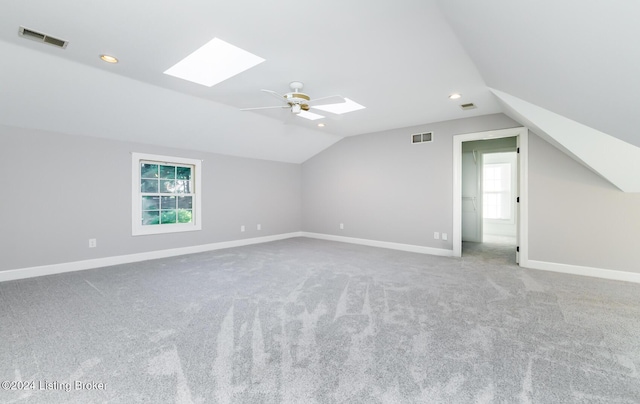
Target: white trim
137 229
31 272
381 244
611 274
522 133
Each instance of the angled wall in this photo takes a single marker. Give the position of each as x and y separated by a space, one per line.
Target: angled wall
383 188
578 218
606 155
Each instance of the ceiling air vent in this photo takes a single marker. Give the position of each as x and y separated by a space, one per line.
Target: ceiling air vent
40 37
422 137
468 106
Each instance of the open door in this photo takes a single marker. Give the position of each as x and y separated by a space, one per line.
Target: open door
521 207
518 185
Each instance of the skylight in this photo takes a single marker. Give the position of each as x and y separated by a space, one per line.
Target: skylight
213 63
309 115
341 108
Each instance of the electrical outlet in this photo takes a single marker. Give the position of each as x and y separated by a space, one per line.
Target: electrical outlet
444 236
341 226
242 228
259 227
436 235
93 243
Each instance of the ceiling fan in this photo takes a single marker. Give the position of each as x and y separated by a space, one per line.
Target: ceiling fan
298 101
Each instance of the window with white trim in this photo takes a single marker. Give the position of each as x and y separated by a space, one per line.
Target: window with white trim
497 191
499 186
165 194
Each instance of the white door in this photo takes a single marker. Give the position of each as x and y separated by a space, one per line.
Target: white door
518 200
471 204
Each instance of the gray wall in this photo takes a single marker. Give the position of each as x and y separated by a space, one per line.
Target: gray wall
384 188
578 218
60 190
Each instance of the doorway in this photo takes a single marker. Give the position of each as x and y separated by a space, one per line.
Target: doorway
499 192
489 179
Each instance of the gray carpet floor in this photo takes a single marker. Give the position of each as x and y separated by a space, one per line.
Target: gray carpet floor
312 321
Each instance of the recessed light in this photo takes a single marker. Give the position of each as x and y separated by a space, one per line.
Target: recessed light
309 115
109 58
321 125
213 63
455 96
341 108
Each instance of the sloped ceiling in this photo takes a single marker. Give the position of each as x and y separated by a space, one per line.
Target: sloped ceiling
613 159
566 69
576 59
401 62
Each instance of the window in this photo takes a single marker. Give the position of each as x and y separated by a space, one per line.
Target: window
497 191
166 194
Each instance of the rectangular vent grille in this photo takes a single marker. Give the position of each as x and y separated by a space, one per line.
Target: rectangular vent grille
468 106
422 137
44 38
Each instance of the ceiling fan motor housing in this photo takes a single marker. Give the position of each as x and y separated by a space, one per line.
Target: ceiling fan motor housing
297 97
298 102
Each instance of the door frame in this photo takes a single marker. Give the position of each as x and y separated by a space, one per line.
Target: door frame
523 207
481 159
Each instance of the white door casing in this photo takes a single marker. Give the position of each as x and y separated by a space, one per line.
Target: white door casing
522 207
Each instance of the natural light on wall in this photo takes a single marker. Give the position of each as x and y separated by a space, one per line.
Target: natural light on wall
213 63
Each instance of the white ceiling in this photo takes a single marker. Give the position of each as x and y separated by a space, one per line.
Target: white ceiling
399 59
577 58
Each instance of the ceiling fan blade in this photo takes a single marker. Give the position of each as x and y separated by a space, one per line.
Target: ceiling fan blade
332 99
274 94
253 109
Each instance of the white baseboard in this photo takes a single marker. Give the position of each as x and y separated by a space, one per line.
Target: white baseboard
31 272
381 244
611 274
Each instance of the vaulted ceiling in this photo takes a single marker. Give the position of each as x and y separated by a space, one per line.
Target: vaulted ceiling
574 58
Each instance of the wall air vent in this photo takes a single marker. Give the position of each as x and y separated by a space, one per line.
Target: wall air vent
40 37
468 106
422 137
